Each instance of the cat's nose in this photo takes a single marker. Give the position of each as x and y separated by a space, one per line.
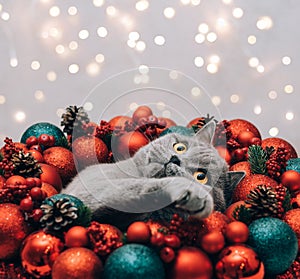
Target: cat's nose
175 160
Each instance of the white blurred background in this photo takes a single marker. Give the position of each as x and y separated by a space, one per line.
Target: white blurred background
245 54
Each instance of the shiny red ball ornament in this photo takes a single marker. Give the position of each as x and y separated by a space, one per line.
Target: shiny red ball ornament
13 229
48 189
119 121
51 176
138 232
141 111
237 232
276 142
89 150
239 155
245 137
172 240
292 218
128 144
242 166
26 204
36 193
157 239
240 125
291 180
77 263
212 242
77 236
167 254
63 160
38 253
243 189
36 155
16 180
32 140
190 263
237 261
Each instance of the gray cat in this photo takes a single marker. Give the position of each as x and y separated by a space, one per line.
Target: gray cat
172 174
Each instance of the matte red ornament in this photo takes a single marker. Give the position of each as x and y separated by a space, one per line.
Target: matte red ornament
36 155
119 121
38 253
141 111
190 263
138 232
13 229
213 242
48 189
237 261
77 236
237 232
276 142
16 180
291 180
51 176
77 262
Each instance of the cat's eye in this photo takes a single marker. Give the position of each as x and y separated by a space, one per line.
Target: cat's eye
201 176
179 147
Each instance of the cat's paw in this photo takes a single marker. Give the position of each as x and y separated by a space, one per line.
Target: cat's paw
196 201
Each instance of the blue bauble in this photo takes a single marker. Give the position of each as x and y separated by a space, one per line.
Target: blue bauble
178 130
275 243
134 261
46 128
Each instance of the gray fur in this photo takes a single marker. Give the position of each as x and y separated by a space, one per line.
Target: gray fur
150 184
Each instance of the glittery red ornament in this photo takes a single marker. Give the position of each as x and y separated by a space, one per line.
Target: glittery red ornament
242 166
77 262
38 253
240 125
138 232
237 232
77 236
13 229
190 262
291 180
141 111
50 175
89 151
119 121
216 221
292 218
126 145
276 142
242 190
62 159
237 261
213 242
245 138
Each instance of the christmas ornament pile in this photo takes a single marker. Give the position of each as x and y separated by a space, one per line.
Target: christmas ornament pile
46 234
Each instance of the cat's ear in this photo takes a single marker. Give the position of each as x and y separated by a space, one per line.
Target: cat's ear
206 133
234 178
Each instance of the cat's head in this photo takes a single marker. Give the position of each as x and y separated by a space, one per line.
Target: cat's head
193 157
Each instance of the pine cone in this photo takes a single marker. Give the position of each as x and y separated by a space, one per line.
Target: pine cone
58 215
74 118
277 162
25 165
262 201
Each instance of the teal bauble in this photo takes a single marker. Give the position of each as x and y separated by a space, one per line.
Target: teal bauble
46 128
178 130
134 261
275 243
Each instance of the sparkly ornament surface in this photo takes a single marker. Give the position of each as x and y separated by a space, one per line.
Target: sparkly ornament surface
190 262
241 125
75 263
237 261
292 218
45 128
134 261
179 130
278 142
62 159
13 229
38 253
275 243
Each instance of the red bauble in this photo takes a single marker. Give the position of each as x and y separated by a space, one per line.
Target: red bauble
62 159
242 166
194 122
77 262
16 180
89 150
169 123
172 240
50 175
276 142
291 180
167 254
119 121
224 153
48 189
125 146
245 138
36 155
213 242
216 221
292 218
230 209
38 253
141 111
240 125
237 261
138 232
13 229
237 232
191 263
157 239
243 189
2 181
77 237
